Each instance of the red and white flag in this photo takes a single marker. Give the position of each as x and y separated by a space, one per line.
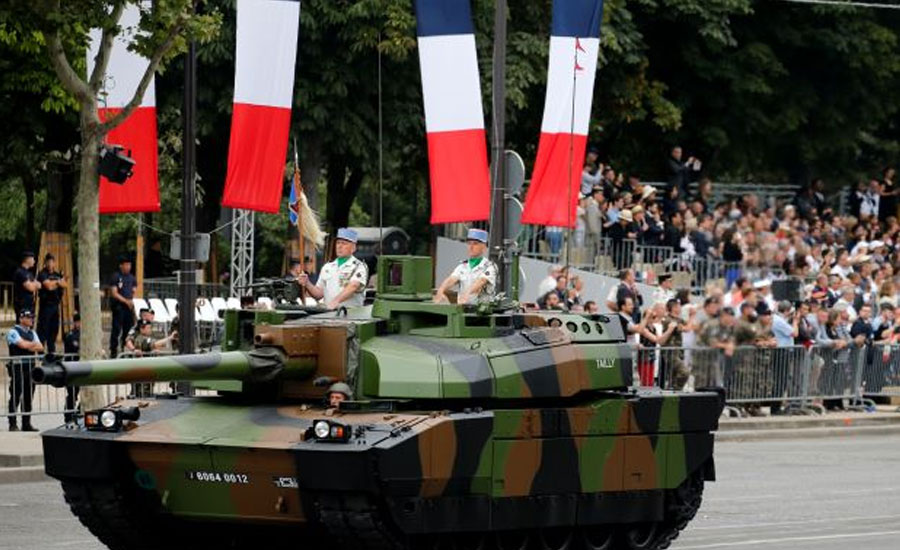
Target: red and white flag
140 192
574 45
263 93
454 117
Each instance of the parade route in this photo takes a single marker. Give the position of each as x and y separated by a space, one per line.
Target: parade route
819 493
825 493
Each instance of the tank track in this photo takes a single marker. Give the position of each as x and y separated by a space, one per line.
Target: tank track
123 521
355 521
359 524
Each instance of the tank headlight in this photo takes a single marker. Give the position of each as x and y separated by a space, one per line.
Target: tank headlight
322 429
329 431
108 419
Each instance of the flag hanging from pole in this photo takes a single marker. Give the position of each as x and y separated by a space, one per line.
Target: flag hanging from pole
263 92
574 45
137 134
454 117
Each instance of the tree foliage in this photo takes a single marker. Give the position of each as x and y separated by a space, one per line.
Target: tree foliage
760 90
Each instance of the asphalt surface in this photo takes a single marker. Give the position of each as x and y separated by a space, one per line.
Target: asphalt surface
828 493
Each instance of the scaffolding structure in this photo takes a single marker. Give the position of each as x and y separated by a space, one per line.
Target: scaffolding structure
242 231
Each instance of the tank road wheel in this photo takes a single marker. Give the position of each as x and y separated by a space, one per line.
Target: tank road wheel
471 541
556 538
641 536
513 540
598 538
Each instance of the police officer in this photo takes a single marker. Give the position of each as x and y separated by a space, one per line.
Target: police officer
122 307
49 297
342 282
476 276
338 393
72 349
24 285
23 344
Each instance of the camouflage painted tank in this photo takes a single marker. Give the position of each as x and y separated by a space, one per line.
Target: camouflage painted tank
469 429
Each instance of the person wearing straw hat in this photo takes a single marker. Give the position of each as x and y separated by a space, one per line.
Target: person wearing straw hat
476 276
342 281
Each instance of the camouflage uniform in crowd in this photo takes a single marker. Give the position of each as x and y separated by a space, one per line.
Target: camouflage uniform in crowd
675 369
741 379
711 363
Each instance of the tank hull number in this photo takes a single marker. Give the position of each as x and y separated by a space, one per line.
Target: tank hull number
217 477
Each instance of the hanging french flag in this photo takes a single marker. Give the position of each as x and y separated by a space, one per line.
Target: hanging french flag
574 45
263 93
454 117
137 134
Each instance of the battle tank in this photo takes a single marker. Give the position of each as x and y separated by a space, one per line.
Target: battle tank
469 428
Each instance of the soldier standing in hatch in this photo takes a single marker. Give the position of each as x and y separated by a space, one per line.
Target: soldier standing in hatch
338 393
476 276
342 281
49 297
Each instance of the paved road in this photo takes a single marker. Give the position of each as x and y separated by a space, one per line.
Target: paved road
822 494
825 494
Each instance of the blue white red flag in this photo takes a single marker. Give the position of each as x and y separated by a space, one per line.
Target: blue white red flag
263 93
574 45
454 117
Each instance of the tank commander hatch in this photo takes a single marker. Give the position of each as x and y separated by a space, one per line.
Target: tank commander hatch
476 276
342 281
338 393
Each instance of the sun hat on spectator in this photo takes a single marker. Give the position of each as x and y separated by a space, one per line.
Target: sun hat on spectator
762 283
647 191
626 215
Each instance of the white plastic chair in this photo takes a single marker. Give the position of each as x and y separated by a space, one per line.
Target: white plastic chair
159 310
218 305
139 304
172 306
233 303
205 311
266 302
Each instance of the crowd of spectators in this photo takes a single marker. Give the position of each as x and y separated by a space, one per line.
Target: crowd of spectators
846 266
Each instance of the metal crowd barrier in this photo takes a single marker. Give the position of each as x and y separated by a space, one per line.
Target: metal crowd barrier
797 376
21 397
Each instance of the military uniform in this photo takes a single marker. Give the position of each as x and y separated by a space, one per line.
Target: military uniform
675 369
469 273
337 274
741 379
710 362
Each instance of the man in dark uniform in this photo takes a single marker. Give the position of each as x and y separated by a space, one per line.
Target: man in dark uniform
23 344
122 307
49 297
24 285
72 349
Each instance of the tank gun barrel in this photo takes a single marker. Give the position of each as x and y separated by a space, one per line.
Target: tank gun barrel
262 364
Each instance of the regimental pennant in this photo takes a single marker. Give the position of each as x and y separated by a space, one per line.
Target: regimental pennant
574 46
294 206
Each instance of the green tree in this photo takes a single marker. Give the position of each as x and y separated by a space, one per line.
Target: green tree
64 28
